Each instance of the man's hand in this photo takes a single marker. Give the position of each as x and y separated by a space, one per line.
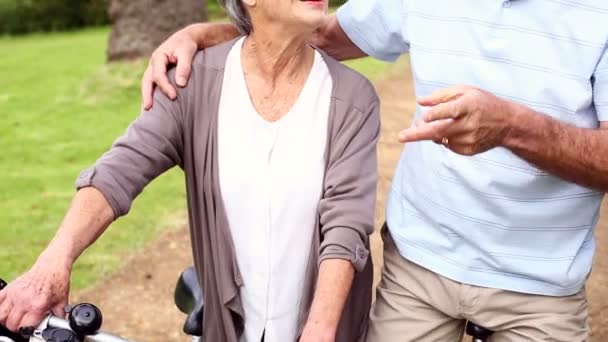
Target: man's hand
178 49
466 119
181 47
28 300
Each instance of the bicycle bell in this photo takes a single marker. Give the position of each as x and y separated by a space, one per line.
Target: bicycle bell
85 319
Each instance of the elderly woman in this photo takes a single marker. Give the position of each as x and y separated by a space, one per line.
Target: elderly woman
278 145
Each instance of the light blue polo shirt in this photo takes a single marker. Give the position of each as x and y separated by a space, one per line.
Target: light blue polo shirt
494 220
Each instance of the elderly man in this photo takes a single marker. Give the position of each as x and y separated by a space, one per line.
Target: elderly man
493 206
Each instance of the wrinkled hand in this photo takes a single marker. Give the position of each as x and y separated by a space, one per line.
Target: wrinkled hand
178 49
473 120
317 333
33 296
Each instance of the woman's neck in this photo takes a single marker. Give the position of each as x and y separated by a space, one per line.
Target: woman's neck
274 55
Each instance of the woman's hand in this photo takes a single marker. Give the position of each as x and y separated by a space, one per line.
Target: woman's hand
30 298
314 332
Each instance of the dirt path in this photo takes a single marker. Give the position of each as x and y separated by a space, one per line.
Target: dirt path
138 300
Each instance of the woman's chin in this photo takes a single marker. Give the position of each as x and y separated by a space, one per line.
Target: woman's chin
313 21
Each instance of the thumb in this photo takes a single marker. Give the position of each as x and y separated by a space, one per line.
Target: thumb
59 309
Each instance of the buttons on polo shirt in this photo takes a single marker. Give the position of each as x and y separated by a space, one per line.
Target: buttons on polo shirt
506 3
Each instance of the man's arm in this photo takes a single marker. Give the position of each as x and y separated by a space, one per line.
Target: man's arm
332 39
477 120
180 48
333 286
474 121
360 27
576 154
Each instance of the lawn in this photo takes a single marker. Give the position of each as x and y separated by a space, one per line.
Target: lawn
61 106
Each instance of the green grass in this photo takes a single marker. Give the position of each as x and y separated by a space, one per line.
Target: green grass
61 106
215 12
371 68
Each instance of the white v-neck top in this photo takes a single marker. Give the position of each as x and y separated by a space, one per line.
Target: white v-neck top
271 178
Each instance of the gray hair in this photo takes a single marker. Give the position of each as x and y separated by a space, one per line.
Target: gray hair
238 14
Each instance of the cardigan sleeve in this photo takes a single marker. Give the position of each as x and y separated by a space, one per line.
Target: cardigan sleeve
151 145
348 205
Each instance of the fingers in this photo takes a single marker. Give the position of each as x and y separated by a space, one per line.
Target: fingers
159 64
449 110
31 320
425 131
442 96
5 310
14 319
59 309
184 60
147 89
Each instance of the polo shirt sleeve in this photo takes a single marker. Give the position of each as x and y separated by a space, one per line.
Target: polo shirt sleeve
600 87
378 27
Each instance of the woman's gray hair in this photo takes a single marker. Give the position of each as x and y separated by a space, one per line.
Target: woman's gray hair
238 14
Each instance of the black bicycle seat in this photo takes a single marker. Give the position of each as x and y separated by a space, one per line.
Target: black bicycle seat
478 332
189 300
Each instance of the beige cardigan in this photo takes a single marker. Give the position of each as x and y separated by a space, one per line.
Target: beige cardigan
184 132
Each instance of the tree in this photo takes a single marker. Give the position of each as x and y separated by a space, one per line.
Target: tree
139 26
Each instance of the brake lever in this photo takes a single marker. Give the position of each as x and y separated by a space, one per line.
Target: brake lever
45 333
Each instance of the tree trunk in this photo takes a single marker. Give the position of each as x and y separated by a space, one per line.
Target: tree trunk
139 26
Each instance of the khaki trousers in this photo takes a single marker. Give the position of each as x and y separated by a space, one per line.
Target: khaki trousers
415 304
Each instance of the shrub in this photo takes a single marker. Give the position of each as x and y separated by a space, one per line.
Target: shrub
23 16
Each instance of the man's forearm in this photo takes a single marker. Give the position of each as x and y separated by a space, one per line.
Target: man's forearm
333 286
88 217
210 34
329 38
575 154
332 39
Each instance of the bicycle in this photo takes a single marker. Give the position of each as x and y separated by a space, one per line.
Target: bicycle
85 320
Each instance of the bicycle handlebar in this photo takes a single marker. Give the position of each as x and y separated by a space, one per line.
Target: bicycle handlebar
85 321
53 322
59 323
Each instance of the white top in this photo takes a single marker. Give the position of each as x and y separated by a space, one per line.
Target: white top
271 178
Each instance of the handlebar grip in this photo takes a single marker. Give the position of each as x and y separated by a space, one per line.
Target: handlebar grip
4 332
56 322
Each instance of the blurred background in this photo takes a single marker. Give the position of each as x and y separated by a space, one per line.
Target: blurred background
70 72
